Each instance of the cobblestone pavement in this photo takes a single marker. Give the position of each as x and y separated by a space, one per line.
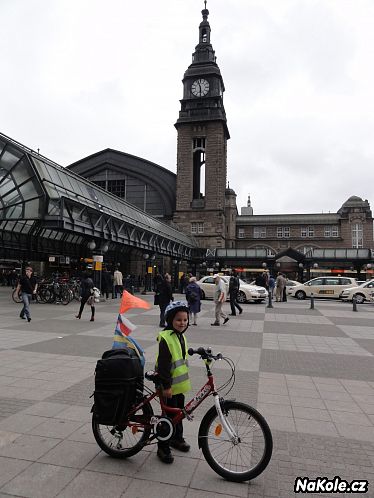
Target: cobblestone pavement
309 372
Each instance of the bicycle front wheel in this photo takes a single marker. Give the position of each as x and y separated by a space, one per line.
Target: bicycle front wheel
245 458
127 439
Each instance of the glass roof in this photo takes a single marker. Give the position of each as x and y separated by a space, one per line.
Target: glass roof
60 182
26 175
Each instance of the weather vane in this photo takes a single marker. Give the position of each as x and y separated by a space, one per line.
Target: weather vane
205 4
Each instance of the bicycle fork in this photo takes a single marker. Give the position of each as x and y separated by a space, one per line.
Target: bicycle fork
225 423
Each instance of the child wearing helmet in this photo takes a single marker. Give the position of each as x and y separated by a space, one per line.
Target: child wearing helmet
172 366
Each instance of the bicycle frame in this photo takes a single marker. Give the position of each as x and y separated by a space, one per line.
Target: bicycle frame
178 414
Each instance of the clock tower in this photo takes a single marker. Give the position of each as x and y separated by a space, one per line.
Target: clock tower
202 147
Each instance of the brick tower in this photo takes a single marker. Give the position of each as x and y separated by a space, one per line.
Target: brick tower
202 147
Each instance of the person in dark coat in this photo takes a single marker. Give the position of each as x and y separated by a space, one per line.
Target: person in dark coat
106 283
234 286
87 296
165 295
193 296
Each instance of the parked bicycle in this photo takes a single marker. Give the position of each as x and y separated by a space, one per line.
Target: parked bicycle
234 437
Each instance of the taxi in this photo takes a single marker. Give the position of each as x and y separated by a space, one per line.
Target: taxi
328 287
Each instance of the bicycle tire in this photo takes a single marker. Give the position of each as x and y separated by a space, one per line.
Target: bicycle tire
130 450
66 296
213 438
16 296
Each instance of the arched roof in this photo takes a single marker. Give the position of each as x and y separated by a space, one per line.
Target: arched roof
163 180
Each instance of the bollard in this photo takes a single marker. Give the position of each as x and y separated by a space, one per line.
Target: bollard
354 303
270 305
312 301
132 290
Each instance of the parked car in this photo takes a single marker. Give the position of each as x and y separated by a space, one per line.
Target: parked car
329 287
363 292
246 293
289 284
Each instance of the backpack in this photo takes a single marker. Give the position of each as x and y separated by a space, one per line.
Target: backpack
193 297
118 381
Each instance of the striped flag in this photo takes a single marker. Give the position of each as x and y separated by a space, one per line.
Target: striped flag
124 327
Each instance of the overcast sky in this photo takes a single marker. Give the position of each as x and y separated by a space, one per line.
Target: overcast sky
79 76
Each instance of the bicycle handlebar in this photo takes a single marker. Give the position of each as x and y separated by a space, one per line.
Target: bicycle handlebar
206 354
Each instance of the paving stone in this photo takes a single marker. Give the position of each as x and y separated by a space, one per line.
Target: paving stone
10 468
40 480
150 489
28 447
95 485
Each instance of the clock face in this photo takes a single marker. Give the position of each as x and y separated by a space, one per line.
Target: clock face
200 87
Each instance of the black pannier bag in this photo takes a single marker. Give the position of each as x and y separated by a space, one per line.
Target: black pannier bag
118 376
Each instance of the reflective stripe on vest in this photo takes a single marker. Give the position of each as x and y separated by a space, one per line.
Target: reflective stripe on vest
180 382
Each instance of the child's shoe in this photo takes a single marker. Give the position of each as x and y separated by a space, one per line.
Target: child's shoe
180 444
165 455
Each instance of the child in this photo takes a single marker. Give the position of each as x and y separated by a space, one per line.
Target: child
172 366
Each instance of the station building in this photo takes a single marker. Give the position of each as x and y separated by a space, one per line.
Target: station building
131 211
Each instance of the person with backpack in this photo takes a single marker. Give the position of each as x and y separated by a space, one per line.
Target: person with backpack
193 296
172 367
234 285
87 296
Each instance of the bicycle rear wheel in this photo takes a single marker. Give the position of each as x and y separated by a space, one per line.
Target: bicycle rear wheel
244 459
122 441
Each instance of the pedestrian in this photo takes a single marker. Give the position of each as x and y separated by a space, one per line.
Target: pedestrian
106 283
284 296
28 286
117 283
172 367
183 283
280 285
193 296
234 286
219 299
271 285
165 295
87 296
260 280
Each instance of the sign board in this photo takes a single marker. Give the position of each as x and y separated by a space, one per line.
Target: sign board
98 265
52 259
150 269
98 258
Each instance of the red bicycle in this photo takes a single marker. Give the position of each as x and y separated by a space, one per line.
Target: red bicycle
235 438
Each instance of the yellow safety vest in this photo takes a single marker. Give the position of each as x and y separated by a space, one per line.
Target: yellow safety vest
180 381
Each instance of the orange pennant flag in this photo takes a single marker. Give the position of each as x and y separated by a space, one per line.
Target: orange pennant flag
129 301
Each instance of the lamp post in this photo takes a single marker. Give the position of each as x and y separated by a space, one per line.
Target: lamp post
300 272
146 257
176 274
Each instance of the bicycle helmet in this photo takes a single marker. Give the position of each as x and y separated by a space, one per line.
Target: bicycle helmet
172 309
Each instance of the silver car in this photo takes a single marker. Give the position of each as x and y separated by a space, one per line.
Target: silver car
246 292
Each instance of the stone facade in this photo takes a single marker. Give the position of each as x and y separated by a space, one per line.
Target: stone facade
351 226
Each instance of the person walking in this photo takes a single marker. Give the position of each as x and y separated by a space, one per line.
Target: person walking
234 286
193 296
118 283
165 296
106 284
28 286
280 285
271 285
219 299
284 296
87 296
